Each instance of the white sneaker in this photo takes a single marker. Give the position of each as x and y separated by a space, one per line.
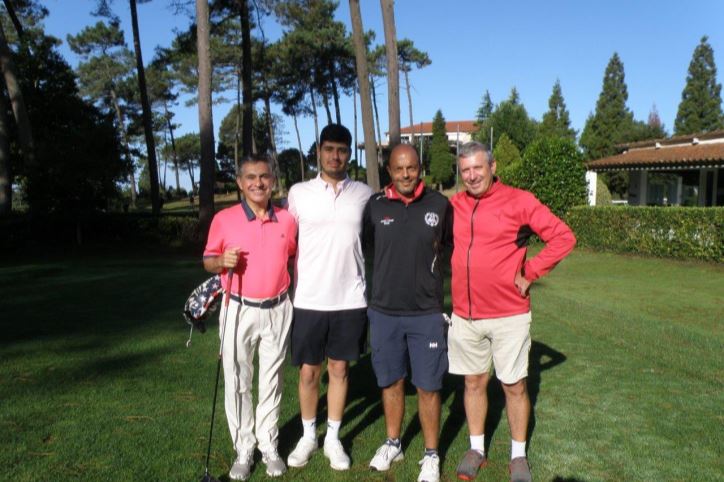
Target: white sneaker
274 464
429 469
241 469
302 452
385 455
334 451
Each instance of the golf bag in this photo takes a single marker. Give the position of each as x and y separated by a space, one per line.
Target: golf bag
203 301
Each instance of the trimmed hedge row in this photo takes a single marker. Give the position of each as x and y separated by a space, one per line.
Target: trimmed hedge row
20 231
674 232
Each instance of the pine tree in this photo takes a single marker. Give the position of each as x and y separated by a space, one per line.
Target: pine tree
486 108
511 118
612 121
557 121
441 160
700 108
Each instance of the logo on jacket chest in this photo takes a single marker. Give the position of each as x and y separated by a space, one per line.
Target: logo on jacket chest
387 220
431 219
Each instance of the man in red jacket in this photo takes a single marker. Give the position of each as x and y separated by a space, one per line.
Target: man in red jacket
491 308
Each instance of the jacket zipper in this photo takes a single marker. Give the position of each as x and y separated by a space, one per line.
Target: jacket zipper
470 248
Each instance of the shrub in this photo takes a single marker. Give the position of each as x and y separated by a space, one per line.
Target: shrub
553 170
674 232
135 228
603 195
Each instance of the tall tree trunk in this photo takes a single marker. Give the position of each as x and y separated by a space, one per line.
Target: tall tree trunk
20 112
335 94
165 162
267 104
146 108
325 101
6 178
377 117
14 18
247 124
316 121
206 123
190 167
173 146
393 75
356 150
299 143
273 142
409 102
373 175
237 131
126 147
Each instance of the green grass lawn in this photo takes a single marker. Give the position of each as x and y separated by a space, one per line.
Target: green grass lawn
96 383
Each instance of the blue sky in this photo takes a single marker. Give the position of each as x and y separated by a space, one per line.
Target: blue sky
490 45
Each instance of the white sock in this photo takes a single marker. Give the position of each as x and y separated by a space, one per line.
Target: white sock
332 429
477 442
310 429
517 449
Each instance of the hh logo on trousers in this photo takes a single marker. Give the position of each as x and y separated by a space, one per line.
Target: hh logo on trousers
433 345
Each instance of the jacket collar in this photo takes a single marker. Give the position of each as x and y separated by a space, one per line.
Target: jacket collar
391 193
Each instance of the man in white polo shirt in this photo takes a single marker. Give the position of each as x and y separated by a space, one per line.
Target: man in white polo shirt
330 320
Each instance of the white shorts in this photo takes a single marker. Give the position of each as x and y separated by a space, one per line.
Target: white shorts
474 344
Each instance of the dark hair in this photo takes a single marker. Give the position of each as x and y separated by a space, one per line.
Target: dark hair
253 159
335 133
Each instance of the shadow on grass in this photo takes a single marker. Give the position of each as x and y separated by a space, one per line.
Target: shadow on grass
364 400
89 299
542 357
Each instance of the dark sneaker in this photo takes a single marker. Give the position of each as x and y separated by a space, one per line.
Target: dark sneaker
519 470
472 461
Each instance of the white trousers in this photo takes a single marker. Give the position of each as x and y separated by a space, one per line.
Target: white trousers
247 329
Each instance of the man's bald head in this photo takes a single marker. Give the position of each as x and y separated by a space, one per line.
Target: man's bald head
404 150
404 169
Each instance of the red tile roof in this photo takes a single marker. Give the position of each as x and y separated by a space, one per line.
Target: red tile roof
668 141
674 156
450 126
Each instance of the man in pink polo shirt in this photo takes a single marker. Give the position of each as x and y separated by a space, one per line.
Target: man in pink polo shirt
256 240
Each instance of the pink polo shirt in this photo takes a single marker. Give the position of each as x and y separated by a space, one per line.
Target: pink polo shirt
265 249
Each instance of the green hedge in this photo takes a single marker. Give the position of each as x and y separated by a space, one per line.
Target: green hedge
22 231
674 232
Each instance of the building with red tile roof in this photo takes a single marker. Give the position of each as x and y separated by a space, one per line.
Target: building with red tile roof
681 170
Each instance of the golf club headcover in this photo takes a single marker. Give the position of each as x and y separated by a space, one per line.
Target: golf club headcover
203 301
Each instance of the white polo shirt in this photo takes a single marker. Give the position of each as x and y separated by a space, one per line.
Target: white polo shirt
330 268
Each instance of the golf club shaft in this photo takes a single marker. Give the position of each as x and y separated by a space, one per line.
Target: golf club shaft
218 364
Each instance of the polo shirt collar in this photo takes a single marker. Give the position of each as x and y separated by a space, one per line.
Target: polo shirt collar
341 185
250 216
391 192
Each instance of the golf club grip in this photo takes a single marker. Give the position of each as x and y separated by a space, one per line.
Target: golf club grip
230 276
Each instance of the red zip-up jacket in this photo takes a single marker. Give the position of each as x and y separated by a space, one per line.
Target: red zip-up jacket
490 237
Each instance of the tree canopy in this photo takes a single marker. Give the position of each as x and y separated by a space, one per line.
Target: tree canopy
509 117
441 160
612 121
700 107
556 121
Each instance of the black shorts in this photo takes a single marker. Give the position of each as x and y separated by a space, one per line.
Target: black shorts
339 335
